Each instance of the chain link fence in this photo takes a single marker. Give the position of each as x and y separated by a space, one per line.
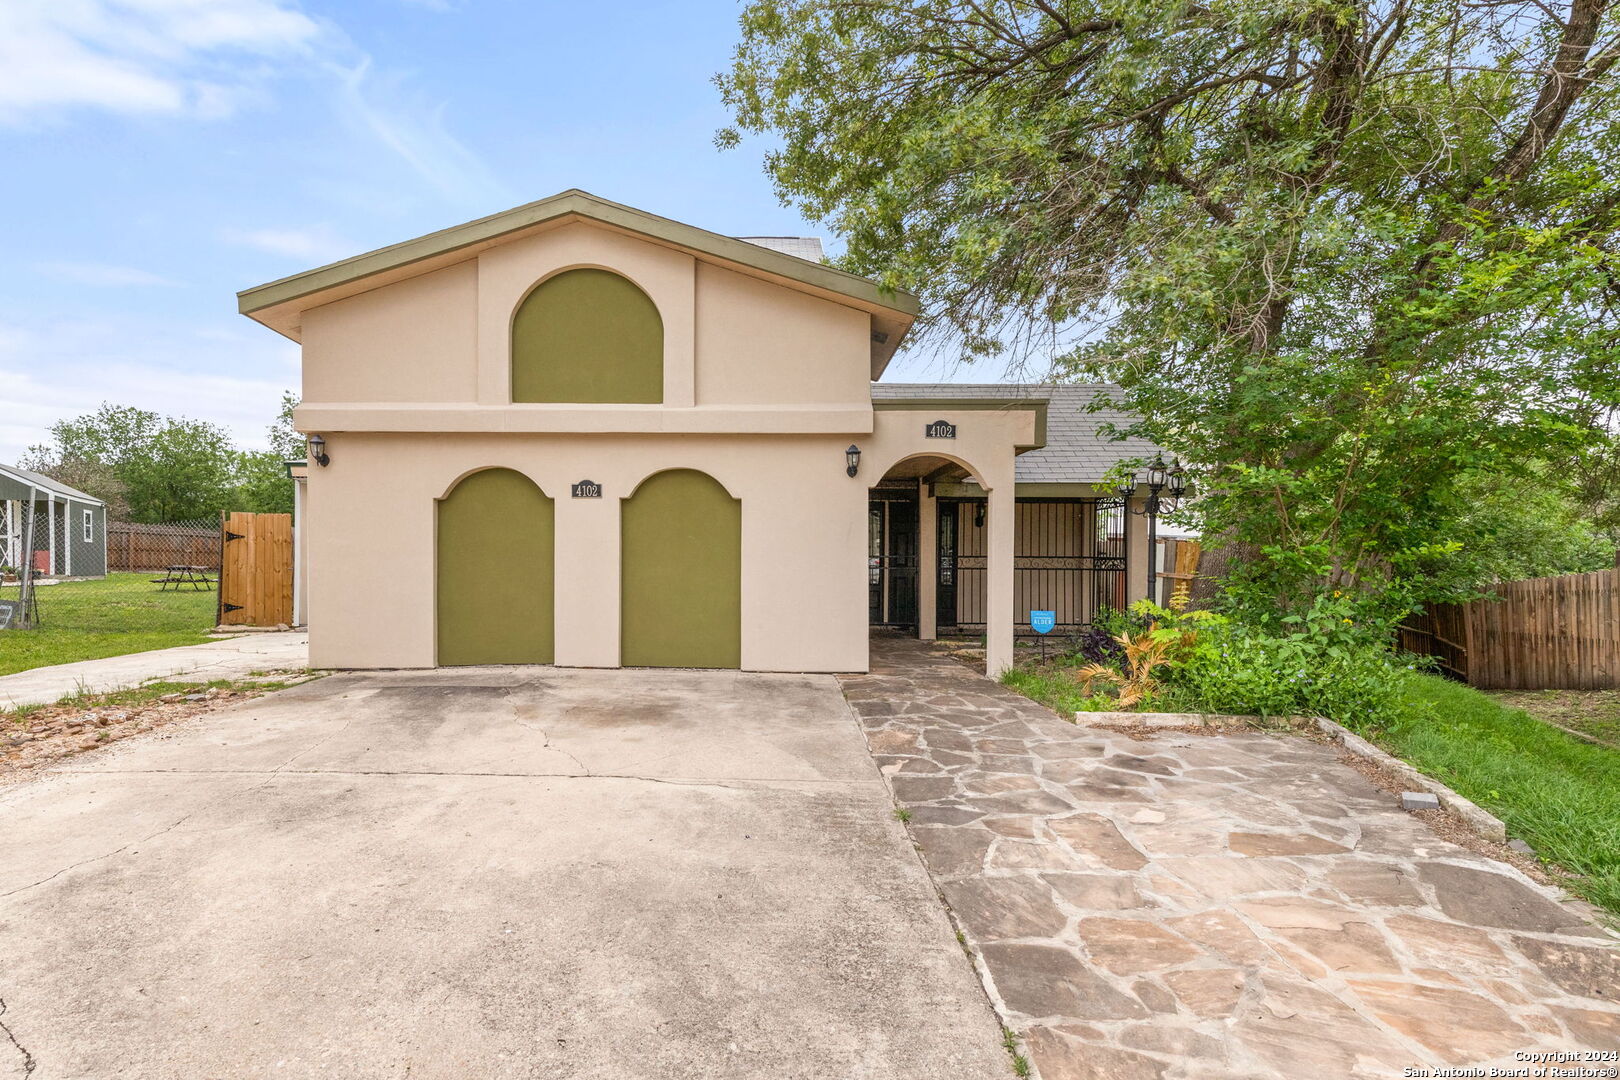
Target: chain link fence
161 580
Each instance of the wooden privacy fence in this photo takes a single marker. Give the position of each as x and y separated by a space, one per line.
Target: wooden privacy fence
146 548
256 574
1556 633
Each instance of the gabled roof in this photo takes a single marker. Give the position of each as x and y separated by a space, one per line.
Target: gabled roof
45 484
280 304
1077 450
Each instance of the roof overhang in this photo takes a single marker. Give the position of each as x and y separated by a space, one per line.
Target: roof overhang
1037 405
280 304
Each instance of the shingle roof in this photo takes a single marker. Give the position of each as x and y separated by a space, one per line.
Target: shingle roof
45 483
1077 451
802 247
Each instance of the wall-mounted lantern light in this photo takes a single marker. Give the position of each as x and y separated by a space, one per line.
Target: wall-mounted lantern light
317 451
853 457
978 515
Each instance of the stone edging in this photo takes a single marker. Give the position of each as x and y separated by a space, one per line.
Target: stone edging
1182 719
1478 821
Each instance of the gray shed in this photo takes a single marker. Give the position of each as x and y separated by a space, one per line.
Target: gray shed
70 527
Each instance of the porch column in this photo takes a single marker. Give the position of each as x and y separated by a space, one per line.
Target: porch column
1136 552
998 586
927 563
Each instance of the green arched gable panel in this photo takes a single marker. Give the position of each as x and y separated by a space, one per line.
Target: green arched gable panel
496 549
588 336
680 598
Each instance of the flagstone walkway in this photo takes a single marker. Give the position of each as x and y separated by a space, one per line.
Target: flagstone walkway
1239 905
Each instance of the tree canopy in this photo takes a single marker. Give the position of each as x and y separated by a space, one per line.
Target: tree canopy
152 468
1346 255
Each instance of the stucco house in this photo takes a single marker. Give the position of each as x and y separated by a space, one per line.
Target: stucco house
70 527
576 433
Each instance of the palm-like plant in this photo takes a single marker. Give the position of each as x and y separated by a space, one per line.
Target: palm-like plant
1145 653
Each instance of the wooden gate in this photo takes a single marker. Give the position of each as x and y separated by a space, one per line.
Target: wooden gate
256 570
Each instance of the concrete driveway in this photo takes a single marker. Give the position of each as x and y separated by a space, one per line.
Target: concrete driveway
483 873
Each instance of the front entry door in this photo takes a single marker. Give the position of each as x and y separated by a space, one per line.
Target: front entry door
891 549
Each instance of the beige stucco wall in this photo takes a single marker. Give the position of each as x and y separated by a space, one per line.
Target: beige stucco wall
415 341
371 544
760 343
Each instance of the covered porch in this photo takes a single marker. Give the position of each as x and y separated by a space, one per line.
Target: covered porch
984 512
928 557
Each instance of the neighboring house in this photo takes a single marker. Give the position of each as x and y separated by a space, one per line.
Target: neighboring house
580 434
70 527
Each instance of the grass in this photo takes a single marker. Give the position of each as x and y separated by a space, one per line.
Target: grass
1009 1043
88 620
1558 794
1053 685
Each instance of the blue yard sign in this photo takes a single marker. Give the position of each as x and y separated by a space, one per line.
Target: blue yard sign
1042 621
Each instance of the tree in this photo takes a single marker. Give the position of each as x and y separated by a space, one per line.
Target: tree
285 440
1515 529
153 468
1345 254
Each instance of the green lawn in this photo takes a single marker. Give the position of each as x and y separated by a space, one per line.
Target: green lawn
86 620
1556 793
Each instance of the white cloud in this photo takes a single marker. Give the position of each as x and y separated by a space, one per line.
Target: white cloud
140 56
312 244
414 129
212 371
101 274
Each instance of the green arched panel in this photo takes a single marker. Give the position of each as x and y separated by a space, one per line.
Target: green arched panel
496 549
680 597
588 336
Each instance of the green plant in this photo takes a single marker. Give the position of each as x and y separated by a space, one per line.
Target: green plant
1144 655
902 814
1333 659
1009 1043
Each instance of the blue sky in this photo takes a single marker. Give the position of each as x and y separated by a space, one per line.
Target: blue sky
163 154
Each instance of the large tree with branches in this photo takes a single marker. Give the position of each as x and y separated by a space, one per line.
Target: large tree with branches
1343 254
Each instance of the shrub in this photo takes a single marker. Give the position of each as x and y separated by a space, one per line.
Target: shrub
1332 660
1097 645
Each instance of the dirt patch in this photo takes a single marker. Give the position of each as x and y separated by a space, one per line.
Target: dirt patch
1588 714
35 737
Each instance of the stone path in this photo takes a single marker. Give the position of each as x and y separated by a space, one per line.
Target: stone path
229 658
1240 905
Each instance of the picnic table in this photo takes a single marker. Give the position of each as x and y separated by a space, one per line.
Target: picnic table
180 576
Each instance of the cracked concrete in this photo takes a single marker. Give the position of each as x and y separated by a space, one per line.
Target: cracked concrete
28 1064
483 872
